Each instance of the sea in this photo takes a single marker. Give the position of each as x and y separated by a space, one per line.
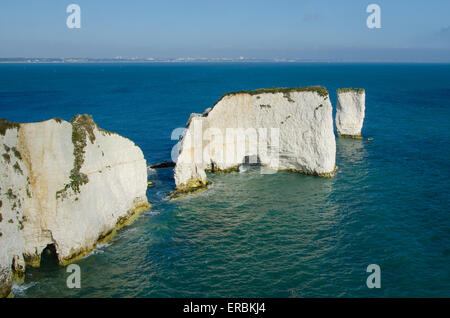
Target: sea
252 234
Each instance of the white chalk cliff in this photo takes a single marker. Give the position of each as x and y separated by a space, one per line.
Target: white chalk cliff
279 128
350 111
70 185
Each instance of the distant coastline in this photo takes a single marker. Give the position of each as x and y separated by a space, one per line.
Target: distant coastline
149 60
41 60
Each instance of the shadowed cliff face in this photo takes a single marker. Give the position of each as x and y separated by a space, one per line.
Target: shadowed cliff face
52 170
289 129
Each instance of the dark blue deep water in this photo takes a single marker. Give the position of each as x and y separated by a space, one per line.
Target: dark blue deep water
280 235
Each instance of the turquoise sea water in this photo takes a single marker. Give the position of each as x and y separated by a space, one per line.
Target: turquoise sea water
253 235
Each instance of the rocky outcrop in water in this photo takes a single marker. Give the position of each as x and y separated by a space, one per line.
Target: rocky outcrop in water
278 128
63 185
350 111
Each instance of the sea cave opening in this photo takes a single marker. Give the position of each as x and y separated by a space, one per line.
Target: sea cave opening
252 161
49 256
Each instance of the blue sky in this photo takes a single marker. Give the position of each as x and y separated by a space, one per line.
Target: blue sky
322 29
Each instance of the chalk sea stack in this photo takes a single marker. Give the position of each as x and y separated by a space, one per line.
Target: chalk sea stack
64 185
350 109
305 141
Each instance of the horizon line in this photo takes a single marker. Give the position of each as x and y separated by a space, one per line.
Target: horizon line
102 60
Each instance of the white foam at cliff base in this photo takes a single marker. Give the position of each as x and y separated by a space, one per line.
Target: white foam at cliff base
20 289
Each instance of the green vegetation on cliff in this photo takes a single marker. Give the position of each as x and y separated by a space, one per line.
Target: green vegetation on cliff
322 91
351 90
82 129
5 125
17 168
7 157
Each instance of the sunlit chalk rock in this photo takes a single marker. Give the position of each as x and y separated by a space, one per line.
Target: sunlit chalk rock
64 185
350 111
277 128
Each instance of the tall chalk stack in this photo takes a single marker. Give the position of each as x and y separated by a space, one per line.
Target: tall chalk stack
350 111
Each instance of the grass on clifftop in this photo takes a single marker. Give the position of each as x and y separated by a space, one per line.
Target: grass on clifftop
322 91
351 90
5 125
